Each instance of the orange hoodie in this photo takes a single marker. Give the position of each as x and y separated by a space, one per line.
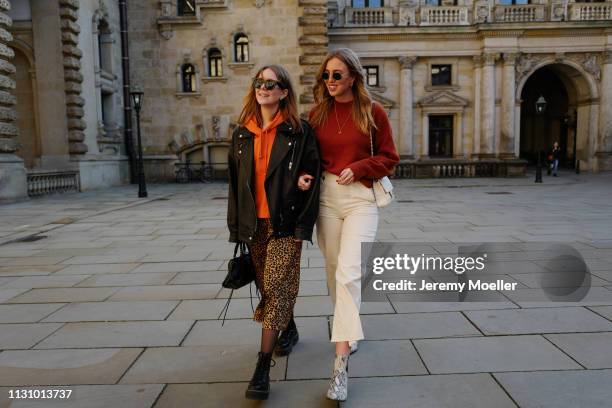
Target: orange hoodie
262 147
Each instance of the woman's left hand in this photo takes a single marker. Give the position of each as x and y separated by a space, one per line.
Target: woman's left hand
346 177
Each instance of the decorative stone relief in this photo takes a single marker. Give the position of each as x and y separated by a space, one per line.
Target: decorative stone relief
482 12
407 12
259 3
525 64
558 10
407 62
591 65
8 130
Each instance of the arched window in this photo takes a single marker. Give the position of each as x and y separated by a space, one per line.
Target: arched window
367 3
188 78
241 48
215 66
186 8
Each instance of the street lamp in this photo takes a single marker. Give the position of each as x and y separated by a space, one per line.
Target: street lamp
137 101
540 105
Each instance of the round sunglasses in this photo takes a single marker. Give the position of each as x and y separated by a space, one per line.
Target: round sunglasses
336 76
269 84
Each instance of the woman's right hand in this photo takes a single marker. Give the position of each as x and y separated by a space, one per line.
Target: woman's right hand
304 182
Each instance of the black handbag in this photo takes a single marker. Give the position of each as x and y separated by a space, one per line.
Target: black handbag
240 269
240 272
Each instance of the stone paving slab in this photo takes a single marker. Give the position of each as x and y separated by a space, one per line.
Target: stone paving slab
322 306
179 267
7 294
29 270
53 281
413 326
128 279
298 394
432 391
98 269
605 311
65 367
526 298
188 278
233 332
91 396
533 321
24 336
559 389
117 334
27 313
492 354
112 311
198 364
307 288
593 350
539 280
166 292
210 309
64 295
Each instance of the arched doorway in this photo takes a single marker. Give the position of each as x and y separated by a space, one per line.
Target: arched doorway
26 120
566 119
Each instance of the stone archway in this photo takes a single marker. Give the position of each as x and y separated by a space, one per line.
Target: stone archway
571 115
25 92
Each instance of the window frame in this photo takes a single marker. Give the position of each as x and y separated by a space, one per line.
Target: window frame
431 129
239 47
450 75
367 75
188 75
181 6
366 4
215 57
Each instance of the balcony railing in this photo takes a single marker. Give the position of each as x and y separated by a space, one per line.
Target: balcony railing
590 11
444 15
519 13
360 17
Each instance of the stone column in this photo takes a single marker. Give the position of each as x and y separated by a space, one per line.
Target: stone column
487 129
477 96
506 145
13 178
604 143
406 124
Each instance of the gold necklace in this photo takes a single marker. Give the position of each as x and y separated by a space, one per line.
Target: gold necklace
338 121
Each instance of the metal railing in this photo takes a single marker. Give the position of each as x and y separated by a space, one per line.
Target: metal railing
49 182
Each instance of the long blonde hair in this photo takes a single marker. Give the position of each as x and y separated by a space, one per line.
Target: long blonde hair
362 100
287 105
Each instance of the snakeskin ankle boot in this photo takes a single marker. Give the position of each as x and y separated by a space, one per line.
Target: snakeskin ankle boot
338 385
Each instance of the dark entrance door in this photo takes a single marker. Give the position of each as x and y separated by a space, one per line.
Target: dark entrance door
441 136
540 130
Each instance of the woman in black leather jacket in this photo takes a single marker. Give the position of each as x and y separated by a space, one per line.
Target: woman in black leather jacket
270 149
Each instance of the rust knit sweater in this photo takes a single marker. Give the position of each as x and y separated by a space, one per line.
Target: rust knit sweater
351 148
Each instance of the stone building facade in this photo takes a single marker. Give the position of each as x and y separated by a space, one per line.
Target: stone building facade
487 81
195 59
62 97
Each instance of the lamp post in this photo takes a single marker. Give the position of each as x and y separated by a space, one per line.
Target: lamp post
540 105
137 101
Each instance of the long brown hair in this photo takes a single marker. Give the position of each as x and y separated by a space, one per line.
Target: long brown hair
362 101
287 105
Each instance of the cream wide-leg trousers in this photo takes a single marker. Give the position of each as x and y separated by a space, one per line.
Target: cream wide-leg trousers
348 216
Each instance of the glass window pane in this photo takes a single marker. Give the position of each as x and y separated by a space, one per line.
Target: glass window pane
441 136
375 3
359 3
441 75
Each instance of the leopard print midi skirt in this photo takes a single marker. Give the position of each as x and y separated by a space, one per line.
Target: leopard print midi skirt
277 270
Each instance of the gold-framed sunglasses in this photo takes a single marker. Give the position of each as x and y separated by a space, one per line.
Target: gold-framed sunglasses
269 84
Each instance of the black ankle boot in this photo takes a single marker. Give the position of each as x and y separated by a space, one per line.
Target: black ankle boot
259 387
288 338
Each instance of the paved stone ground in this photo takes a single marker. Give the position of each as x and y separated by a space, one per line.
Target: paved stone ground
116 298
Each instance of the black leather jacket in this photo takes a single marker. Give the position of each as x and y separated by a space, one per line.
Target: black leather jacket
292 212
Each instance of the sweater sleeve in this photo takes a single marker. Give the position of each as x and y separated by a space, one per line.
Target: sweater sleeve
385 155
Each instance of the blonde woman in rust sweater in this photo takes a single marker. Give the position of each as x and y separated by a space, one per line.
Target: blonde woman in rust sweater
343 119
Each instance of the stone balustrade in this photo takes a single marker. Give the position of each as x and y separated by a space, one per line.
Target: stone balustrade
363 17
590 11
444 15
48 182
522 13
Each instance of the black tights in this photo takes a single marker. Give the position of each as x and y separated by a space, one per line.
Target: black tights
269 337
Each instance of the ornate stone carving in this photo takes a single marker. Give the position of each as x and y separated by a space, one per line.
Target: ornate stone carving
591 65
606 57
259 3
525 63
407 62
477 60
558 10
216 127
489 58
482 12
165 30
559 57
8 130
510 58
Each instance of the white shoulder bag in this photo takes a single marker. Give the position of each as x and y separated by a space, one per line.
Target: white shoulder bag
381 188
